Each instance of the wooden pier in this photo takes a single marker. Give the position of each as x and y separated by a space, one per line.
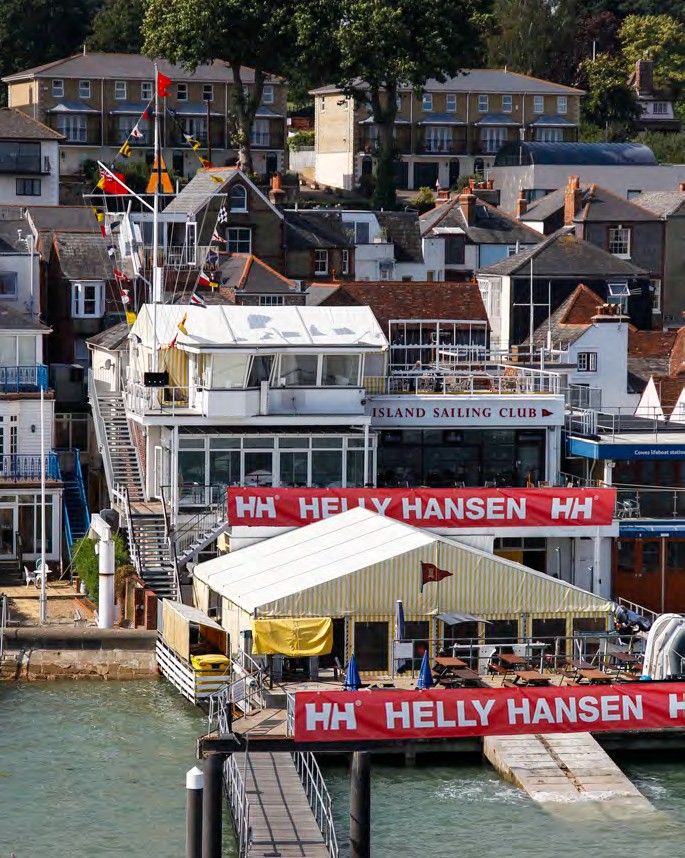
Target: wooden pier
281 820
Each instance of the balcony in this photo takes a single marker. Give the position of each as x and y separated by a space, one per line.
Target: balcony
25 164
20 468
266 140
501 380
23 379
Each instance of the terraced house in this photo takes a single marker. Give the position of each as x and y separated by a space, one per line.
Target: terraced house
95 99
450 129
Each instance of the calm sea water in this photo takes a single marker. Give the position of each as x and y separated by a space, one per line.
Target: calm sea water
93 770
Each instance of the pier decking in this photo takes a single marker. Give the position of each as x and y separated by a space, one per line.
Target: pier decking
281 820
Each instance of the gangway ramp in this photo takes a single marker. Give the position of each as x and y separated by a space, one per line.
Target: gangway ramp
566 767
277 817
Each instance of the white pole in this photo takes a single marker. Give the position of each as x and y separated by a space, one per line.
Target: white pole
43 578
156 270
106 583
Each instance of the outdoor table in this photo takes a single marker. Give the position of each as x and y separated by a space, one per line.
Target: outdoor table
509 660
451 663
530 677
595 677
579 664
460 678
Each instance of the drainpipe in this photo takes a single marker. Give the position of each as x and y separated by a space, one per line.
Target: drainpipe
366 454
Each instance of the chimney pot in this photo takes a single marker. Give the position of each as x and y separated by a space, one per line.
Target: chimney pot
521 204
681 187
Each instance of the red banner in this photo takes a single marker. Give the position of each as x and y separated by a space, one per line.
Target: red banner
436 508
359 716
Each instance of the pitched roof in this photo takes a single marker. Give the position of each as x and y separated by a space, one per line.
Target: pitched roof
15 125
491 225
129 67
570 320
404 232
112 339
78 218
649 353
669 390
564 255
311 229
82 255
480 80
527 153
676 364
202 188
662 203
598 204
411 300
248 274
12 319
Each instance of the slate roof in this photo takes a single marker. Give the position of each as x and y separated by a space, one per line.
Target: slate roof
129 67
12 319
662 203
250 275
78 218
598 204
112 338
413 300
564 255
491 225
82 255
404 231
200 190
15 125
570 320
311 229
480 80
9 235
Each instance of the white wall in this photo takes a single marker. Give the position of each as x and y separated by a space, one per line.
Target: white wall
610 341
619 179
434 255
335 169
27 412
20 263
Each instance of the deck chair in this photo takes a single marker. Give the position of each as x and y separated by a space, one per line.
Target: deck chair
30 577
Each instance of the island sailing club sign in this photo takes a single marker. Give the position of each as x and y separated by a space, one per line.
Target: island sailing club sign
366 716
429 508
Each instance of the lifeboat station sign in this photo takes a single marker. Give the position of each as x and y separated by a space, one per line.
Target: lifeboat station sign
441 509
367 716
466 411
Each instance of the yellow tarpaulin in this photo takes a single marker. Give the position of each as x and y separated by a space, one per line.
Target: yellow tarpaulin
306 636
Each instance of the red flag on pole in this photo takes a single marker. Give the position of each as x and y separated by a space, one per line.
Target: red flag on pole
430 573
163 84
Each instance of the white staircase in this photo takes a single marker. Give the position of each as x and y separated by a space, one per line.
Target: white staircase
154 561
121 456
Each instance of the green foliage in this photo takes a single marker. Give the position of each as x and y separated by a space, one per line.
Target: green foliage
667 148
367 183
463 181
424 201
85 562
301 140
660 38
523 37
609 103
117 27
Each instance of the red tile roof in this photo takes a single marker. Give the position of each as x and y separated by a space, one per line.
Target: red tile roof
412 300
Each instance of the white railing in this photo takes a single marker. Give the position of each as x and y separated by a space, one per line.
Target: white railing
100 432
318 797
290 714
620 421
184 678
4 622
149 400
505 380
236 794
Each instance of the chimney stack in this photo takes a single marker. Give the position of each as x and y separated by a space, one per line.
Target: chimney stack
644 77
276 192
681 187
521 204
467 203
573 200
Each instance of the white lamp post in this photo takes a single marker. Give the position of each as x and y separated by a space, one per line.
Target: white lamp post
43 569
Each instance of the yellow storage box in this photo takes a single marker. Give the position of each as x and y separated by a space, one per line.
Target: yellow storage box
211 663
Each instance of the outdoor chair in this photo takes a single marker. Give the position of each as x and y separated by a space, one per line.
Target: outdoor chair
31 577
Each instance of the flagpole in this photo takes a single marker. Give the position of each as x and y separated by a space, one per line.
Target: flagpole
156 271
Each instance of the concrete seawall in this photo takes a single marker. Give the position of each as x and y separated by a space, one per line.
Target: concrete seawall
35 652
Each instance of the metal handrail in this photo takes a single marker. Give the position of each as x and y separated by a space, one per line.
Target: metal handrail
14 379
247 688
443 380
100 432
78 473
18 466
318 797
236 794
169 536
121 494
204 522
4 622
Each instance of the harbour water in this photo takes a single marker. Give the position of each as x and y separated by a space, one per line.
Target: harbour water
93 770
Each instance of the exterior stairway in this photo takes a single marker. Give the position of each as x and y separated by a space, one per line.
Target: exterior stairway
122 453
76 515
153 558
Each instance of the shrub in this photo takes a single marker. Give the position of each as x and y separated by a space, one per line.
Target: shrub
424 201
86 563
301 140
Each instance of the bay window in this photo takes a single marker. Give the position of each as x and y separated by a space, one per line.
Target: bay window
492 139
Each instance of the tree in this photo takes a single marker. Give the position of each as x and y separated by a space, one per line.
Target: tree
383 45
609 103
33 32
117 27
523 38
661 38
257 34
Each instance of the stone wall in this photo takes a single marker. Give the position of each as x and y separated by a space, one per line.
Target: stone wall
87 653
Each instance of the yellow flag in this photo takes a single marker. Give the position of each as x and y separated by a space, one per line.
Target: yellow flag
182 324
130 318
125 150
101 184
218 180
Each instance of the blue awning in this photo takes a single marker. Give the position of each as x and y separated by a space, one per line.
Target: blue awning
675 527
497 119
440 119
68 106
588 448
555 121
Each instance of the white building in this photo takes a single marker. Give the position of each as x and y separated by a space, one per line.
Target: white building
29 160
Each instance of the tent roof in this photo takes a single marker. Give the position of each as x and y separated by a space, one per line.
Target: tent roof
223 326
316 555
